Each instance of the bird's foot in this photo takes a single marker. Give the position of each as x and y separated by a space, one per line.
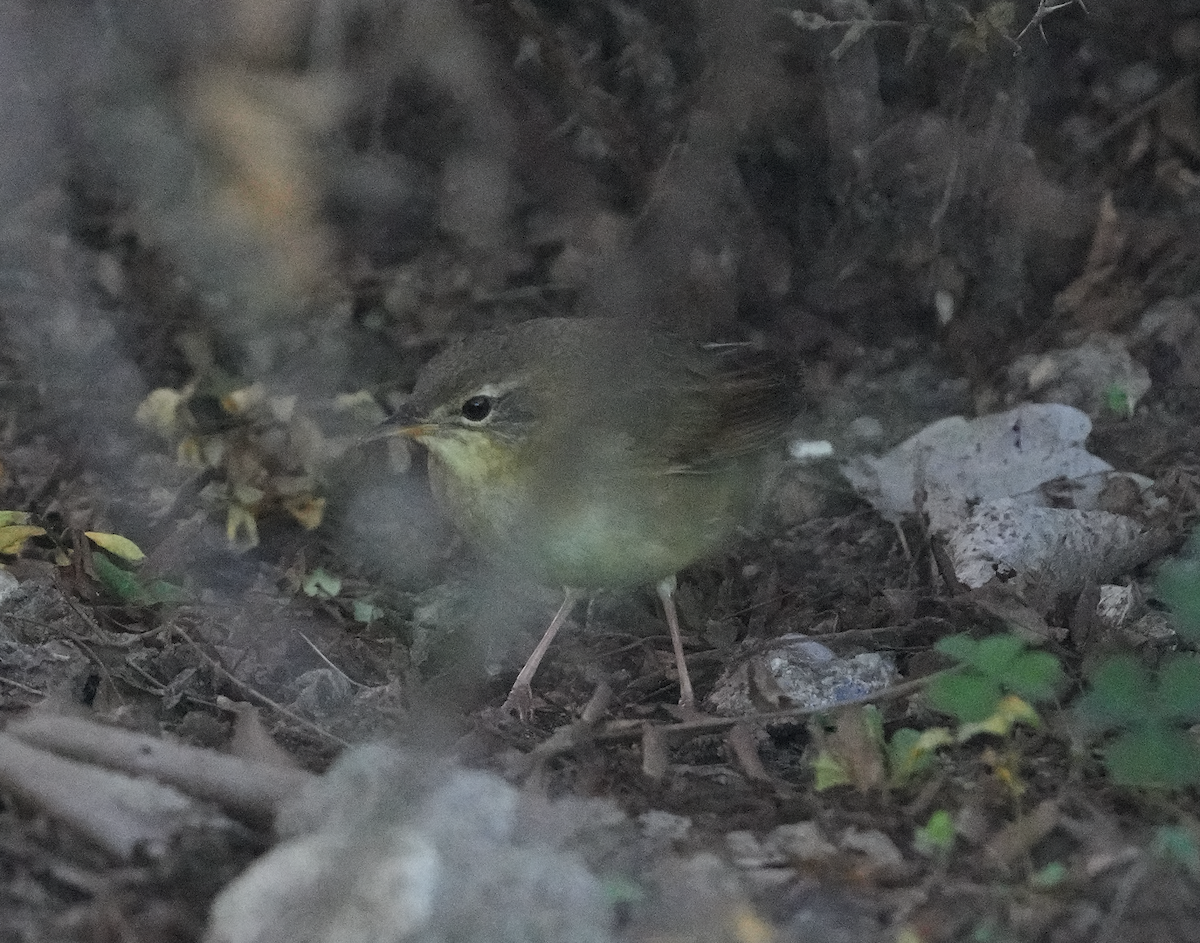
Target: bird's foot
519 701
687 710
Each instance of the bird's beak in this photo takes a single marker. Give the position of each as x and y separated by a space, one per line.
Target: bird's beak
405 422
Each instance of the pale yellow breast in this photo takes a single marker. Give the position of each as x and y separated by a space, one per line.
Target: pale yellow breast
589 520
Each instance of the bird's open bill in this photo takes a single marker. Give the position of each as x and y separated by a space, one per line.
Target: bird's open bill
401 423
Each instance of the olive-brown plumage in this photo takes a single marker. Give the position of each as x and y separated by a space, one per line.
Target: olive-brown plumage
591 453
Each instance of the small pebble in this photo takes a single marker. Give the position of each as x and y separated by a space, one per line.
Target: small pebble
1135 83
1185 41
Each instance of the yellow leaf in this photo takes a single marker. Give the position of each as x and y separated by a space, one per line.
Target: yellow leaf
362 406
240 527
246 495
245 399
292 487
212 451
907 760
159 412
188 454
307 510
117 545
1011 711
13 517
282 407
829 772
1005 769
13 536
749 927
932 739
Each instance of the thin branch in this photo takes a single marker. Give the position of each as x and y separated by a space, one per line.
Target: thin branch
257 695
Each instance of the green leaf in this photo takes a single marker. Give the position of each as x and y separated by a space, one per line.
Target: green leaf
961 648
1118 401
120 582
366 612
13 536
160 591
1048 876
1176 843
322 584
1036 676
128 587
968 696
872 719
829 772
911 752
1154 755
997 653
1179 689
1178 585
619 889
937 835
1117 695
117 545
988 930
1005 658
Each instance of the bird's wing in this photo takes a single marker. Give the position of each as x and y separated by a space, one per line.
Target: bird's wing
728 403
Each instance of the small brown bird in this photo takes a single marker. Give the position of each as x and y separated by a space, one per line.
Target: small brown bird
590 453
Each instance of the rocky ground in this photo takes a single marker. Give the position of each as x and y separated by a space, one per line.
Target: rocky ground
230 239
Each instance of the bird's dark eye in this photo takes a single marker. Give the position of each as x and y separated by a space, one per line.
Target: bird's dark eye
477 408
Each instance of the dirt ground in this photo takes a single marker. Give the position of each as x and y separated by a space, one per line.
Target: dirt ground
231 238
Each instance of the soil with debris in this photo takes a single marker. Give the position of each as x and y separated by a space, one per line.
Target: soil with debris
232 236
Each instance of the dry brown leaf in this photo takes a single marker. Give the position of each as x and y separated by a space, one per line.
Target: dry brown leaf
1102 296
855 746
655 760
1178 119
1018 838
251 741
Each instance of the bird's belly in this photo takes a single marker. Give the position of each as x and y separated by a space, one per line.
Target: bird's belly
600 531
